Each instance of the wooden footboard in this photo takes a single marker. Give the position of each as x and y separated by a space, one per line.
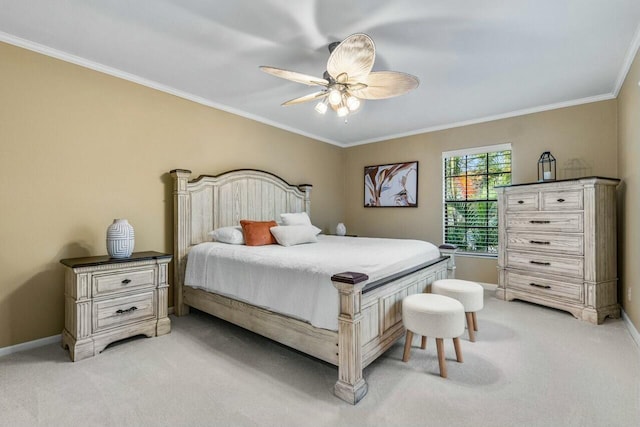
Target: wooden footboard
370 319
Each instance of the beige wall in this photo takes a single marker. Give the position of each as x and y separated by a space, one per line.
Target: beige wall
584 135
79 148
629 193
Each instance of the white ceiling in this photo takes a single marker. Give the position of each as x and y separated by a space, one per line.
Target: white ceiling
477 60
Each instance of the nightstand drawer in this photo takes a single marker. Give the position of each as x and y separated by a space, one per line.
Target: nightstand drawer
543 221
569 244
562 200
558 290
549 264
123 310
123 280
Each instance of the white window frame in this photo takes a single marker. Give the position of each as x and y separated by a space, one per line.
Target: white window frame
469 152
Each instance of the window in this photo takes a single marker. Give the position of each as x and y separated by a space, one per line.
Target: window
470 201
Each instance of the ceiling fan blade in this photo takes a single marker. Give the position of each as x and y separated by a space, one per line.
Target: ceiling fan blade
294 76
354 56
356 86
386 84
306 98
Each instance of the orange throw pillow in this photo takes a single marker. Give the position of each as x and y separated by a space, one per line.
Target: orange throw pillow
258 233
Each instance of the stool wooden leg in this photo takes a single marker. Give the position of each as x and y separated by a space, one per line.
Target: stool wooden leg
423 345
456 345
441 361
475 322
407 346
472 335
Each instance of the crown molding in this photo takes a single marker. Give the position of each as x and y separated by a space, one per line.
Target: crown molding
64 56
105 69
628 61
564 104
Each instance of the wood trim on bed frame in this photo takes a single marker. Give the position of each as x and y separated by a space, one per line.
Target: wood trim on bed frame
370 318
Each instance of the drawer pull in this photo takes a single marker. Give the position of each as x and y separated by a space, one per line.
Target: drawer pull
520 202
538 242
126 281
128 310
533 221
540 263
560 200
540 286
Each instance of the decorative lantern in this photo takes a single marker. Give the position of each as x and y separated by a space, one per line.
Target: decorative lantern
546 167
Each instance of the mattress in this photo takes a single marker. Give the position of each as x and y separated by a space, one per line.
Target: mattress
296 280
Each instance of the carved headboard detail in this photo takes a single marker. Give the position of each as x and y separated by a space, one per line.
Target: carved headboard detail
210 202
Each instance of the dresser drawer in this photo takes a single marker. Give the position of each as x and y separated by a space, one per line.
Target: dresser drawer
562 200
123 310
544 221
559 290
123 280
569 244
545 263
522 202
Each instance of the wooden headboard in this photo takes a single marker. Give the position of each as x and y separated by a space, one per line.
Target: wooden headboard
210 202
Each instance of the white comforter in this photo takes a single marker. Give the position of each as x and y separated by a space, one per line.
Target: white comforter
296 280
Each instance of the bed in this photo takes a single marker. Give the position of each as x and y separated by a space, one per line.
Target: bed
367 308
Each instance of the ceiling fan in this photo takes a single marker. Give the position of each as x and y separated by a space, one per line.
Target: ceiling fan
348 79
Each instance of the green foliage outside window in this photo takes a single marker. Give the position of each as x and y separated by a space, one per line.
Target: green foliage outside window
470 201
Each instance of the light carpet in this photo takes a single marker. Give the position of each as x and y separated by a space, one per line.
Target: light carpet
530 366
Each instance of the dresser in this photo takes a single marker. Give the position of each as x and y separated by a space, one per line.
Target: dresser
108 299
557 246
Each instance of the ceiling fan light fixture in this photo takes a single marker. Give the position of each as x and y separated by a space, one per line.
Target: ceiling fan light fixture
342 111
335 97
353 103
321 107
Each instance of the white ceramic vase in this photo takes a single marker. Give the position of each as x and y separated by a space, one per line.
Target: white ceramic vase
120 239
341 230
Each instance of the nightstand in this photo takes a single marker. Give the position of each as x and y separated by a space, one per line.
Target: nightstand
109 299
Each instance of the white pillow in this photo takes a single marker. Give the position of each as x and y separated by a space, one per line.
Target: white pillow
232 235
316 229
289 235
300 218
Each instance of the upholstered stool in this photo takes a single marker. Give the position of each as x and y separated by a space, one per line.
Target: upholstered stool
435 316
470 294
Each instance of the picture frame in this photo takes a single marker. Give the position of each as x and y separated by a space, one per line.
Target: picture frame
391 185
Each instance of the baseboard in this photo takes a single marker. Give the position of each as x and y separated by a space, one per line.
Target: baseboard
5 351
631 328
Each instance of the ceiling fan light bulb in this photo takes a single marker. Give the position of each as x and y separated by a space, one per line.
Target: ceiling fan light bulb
335 97
342 111
321 107
353 103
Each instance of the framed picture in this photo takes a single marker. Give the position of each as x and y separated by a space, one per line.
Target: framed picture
394 185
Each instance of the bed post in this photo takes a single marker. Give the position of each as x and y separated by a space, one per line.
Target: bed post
450 251
351 386
181 236
307 197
